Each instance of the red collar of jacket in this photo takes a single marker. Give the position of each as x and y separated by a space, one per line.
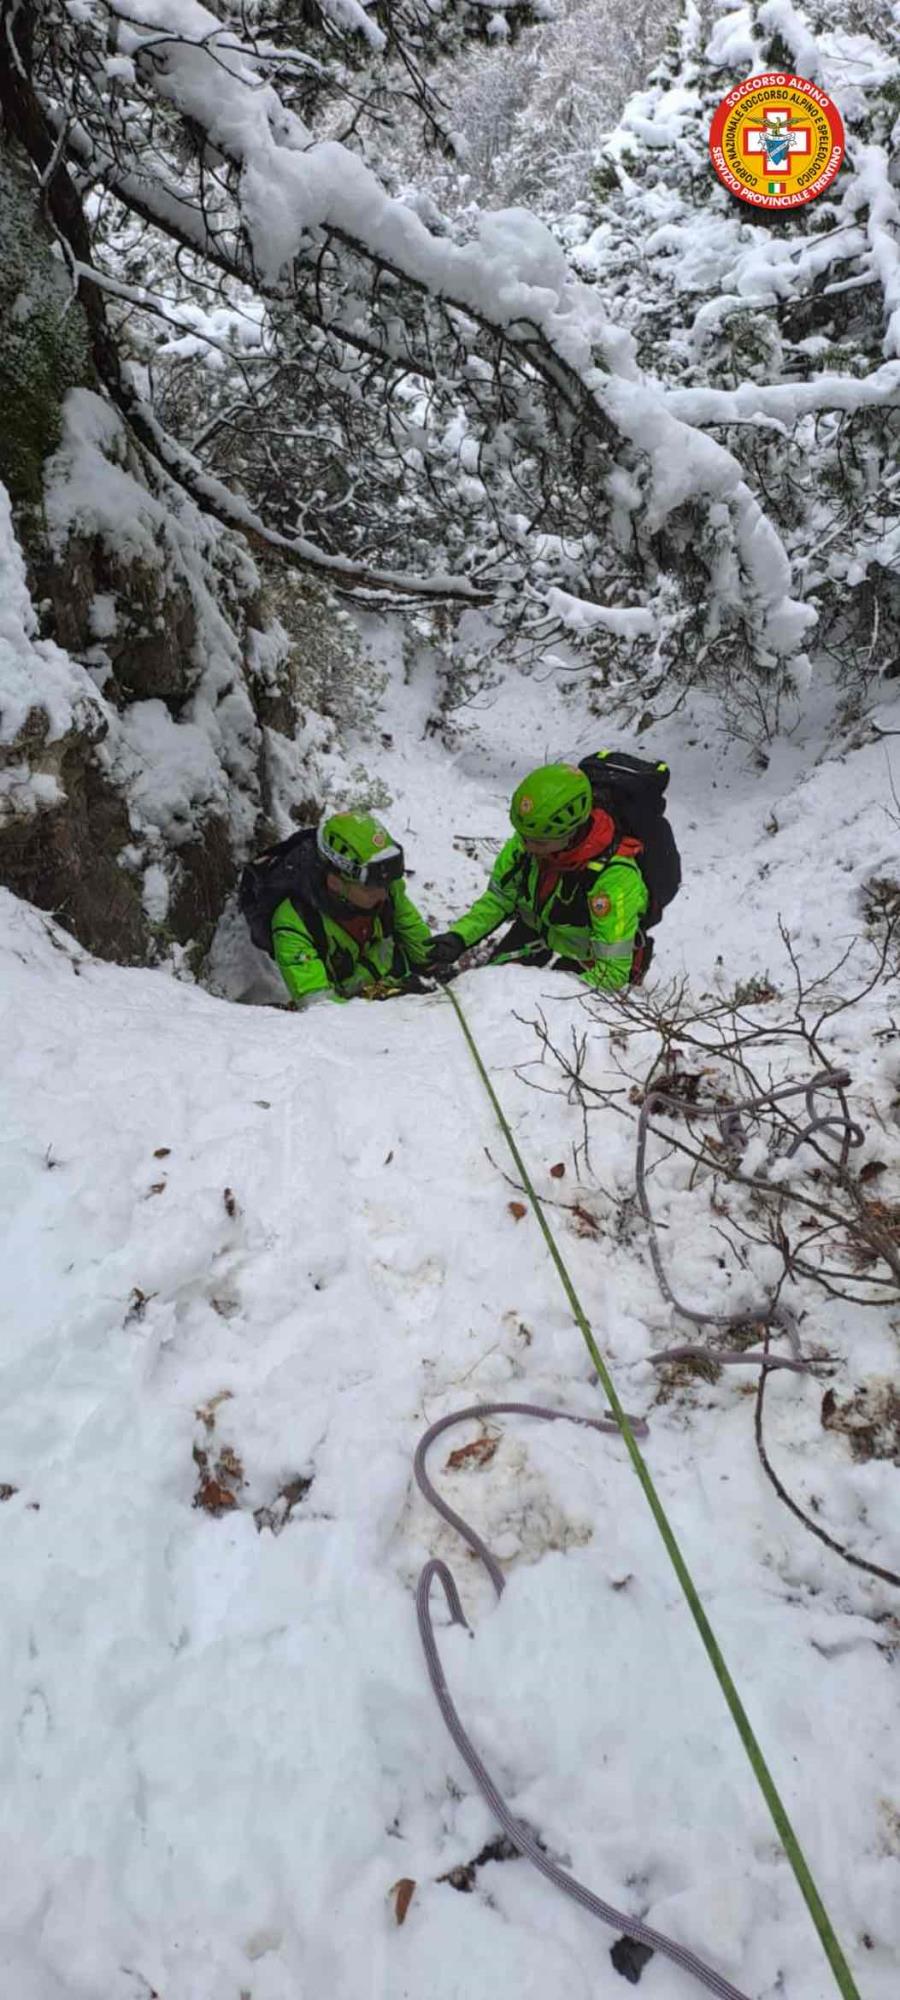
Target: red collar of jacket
359 924
598 839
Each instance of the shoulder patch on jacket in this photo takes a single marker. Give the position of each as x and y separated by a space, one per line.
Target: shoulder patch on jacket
601 905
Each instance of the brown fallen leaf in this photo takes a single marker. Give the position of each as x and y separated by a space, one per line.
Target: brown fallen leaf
157 1188
517 1209
214 1498
230 1202
403 1893
556 1173
479 1452
161 1152
6 1492
586 1224
883 1216
871 1170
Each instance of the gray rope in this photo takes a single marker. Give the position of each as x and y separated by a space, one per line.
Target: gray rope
518 1833
480 1411
727 1357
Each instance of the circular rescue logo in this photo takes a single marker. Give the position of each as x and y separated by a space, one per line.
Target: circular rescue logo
777 141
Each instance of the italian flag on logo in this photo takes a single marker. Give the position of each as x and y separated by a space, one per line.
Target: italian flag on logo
773 187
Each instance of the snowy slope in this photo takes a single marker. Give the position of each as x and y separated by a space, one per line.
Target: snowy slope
219 1746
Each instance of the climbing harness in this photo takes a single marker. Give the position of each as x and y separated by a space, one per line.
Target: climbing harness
824 1928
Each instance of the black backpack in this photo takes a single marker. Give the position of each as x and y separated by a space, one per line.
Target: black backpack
288 869
633 792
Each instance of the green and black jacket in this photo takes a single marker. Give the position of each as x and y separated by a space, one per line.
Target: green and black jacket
592 914
315 954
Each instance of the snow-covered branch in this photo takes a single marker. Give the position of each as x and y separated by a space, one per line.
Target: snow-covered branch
452 408
787 402
499 319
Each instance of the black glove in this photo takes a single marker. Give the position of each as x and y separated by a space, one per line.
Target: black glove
414 983
444 950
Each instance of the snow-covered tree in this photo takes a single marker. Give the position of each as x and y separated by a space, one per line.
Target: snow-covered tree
527 119
779 336
408 413
456 415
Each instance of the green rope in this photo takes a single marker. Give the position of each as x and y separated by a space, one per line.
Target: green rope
830 1945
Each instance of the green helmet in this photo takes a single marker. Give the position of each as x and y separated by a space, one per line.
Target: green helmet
358 846
551 803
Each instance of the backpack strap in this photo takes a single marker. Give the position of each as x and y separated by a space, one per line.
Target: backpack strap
301 892
313 920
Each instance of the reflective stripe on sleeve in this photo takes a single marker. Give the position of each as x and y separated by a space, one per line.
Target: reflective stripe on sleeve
623 949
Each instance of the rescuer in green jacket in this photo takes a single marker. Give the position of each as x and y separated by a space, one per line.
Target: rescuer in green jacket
572 888
349 928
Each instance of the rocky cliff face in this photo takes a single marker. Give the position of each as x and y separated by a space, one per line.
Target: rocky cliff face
155 720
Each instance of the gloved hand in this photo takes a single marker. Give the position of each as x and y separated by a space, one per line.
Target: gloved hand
414 983
444 950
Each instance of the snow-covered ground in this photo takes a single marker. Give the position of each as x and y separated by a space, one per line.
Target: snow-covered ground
232 1230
